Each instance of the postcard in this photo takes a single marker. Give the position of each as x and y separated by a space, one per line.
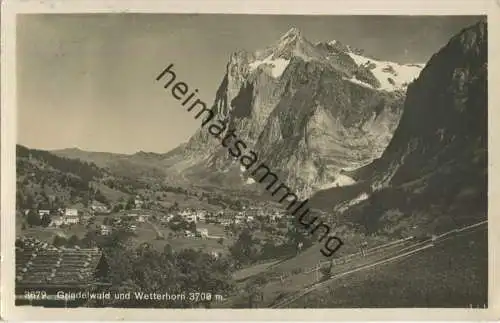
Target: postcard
228 160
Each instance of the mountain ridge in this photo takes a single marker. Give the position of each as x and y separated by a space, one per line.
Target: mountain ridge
311 89
253 97
433 174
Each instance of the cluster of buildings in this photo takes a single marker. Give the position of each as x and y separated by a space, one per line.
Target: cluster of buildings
138 217
200 233
60 216
226 217
250 215
69 216
193 215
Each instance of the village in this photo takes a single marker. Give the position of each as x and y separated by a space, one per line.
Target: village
167 224
55 242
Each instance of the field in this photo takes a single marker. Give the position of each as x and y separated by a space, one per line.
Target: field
452 274
145 232
48 234
458 256
245 273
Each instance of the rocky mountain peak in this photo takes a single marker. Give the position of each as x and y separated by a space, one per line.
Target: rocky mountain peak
309 111
291 44
291 36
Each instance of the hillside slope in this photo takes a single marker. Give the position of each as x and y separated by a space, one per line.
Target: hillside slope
45 180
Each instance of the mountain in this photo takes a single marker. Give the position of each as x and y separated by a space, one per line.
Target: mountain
45 180
310 111
145 166
433 174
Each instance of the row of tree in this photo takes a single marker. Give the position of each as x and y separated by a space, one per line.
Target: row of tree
248 249
145 269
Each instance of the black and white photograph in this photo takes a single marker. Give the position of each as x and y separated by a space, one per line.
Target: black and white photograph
251 161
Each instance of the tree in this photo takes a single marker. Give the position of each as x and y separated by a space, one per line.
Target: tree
191 226
243 250
98 196
45 221
90 239
73 241
168 250
56 203
20 200
130 203
253 290
326 271
59 241
30 201
174 207
33 218
117 208
295 237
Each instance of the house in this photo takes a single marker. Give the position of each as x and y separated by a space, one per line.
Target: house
275 216
71 212
202 232
215 254
210 216
41 213
71 219
202 216
105 230
86 217
166 218
100 209
225 222
142 218
191 218
54 270
138 202
56 221
138 217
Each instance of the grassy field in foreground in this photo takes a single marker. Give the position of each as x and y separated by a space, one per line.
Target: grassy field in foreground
253 270
454 273
293 282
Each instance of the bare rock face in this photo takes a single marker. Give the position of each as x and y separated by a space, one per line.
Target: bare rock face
308 111
433 174
445 110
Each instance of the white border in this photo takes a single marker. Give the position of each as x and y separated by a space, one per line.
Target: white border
341 7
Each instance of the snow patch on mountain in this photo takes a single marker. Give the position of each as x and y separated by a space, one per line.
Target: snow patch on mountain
358 82
278 65
342 207
392 76
340 180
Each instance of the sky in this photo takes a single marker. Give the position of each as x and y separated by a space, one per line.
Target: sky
87 80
